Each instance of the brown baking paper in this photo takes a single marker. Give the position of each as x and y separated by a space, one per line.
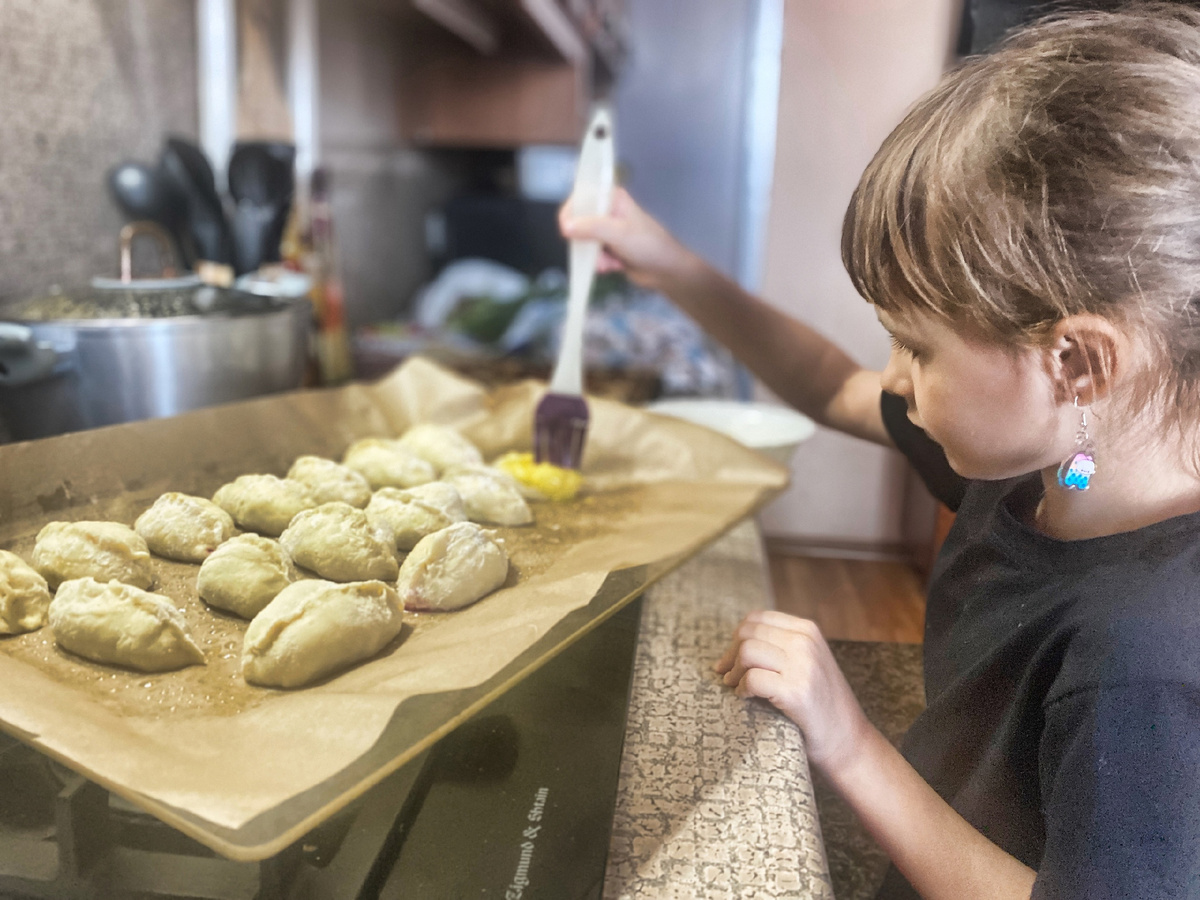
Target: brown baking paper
244 769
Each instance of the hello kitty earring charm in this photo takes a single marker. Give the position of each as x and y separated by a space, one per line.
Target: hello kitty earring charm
1076 471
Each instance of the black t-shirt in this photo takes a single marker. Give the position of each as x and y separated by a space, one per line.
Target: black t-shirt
1062 681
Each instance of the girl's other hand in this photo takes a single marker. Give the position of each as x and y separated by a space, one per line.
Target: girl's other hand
634 242
786 661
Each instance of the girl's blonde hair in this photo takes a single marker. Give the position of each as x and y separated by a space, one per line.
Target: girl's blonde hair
1058 175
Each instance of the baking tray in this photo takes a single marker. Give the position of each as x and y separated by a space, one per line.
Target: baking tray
248 780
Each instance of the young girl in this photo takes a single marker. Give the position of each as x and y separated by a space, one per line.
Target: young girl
1030 236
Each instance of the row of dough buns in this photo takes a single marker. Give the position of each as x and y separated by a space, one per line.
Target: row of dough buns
343 523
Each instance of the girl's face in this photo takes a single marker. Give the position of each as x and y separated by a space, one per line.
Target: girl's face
991 407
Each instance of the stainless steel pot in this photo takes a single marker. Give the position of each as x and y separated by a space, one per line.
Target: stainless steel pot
134 349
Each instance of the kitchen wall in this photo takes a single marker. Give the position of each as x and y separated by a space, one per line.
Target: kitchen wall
681 111
850 68
690 151
381 186
84 84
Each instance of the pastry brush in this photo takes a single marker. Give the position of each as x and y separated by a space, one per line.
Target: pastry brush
561 420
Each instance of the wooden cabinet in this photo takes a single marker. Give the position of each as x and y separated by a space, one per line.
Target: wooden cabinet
453 98
502 73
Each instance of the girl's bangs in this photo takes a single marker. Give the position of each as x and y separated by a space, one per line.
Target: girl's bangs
913 237
887 240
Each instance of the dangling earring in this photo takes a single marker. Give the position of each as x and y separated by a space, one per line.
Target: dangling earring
1076 471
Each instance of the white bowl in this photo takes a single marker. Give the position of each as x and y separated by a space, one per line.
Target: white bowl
765 427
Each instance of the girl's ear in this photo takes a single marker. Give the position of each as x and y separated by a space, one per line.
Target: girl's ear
1087 355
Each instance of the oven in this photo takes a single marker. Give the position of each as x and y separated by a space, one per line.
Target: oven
516 803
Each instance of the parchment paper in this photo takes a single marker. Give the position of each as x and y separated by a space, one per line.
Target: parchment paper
203 741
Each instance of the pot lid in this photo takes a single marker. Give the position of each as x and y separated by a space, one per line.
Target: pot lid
164 297
147 284
140 302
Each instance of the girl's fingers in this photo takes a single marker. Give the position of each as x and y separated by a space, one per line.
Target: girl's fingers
755 654
608 263
785 661
725 663
605 229
622 202
765 625
729 658
764 683
782 636
777 619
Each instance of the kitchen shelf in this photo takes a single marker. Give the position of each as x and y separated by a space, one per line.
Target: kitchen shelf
466 19
538 28
548 17
501 73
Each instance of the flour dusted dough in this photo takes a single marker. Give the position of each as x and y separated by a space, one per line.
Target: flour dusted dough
416 512
330 481
183 527
24 595
340 543
452 568
121 625
102 550
264 503
385 463
443 447
315 628
490 495
245 574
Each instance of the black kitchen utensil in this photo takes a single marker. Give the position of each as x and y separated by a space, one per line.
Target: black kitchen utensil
261 182
187 168
143 193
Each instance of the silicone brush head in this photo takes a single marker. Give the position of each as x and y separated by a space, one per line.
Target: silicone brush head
559 430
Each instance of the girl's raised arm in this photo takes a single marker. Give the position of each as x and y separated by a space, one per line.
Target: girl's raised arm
804 368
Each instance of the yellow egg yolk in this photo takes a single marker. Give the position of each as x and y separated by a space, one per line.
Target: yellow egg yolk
546 478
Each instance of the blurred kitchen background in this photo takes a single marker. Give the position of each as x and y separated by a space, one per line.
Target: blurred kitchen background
445 133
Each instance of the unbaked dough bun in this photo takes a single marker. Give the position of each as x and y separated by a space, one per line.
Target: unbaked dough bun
24 595
452 568
416 512
385 463
489 495
315 628
245 574
183 527
264 503
443 447
340 543
330 481
100 550
122 625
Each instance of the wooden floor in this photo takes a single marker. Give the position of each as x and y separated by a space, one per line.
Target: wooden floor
851 600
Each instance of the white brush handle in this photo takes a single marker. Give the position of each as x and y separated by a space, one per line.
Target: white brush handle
591 196
568 371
